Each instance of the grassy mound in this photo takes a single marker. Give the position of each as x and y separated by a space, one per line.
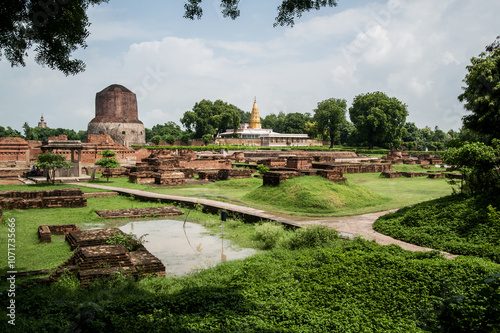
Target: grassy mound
344 286
314 195
456 224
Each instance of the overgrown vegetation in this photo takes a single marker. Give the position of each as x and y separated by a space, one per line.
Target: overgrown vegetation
313 195
457 224
342 286
130 241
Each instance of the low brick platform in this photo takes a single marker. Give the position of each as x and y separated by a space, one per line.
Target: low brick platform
140 212
88 276
332 175
390 174
170 178
45 231
99 194
354 168
225 174
70 198
89 237
208 175
274 178
146 263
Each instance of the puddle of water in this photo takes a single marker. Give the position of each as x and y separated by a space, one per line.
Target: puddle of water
167 240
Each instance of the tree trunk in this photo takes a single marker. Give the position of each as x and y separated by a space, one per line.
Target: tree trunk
332 143
371 145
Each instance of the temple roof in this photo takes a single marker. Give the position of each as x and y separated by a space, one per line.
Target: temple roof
255 118
115 87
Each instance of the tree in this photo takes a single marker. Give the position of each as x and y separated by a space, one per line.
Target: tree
330 116
287 11
156 139
108 162
481 94
51 162
478 164
211 118
295 123
9 132
54 28
169 128
378 119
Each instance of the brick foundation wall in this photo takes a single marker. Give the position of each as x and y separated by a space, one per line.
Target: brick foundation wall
274 178
354 168
42 199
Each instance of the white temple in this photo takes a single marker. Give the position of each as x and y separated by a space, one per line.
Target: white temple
254 130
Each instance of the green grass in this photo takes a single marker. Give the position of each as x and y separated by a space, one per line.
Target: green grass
398 193
33 255
46 187
342 286
401 191
314 195
456 224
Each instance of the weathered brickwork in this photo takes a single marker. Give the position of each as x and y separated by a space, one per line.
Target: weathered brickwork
299 163
332 175
45 231
140 212
42 199
354 168
275 178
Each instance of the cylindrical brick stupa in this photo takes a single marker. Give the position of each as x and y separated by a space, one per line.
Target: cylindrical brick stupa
116 113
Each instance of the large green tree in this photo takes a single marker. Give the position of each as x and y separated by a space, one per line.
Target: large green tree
212 118
54 29
329 117
481 95
379 119
287 11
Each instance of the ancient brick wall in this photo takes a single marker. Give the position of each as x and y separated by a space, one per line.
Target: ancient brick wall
299 163
354 168
42 199
274 178
14 149
225 174
332 175
140 212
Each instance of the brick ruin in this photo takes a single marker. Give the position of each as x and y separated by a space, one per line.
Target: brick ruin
94 259
140 212
45 231
71 198
403 157
429 174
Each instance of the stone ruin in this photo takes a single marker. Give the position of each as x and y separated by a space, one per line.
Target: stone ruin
140 212
403 157
71 198
45 231
94 259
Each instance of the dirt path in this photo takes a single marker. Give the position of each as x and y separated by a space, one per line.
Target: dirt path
349 226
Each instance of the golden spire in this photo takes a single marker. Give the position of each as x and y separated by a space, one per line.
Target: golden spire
255 119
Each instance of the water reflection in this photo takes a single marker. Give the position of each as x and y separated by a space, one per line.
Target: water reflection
167 240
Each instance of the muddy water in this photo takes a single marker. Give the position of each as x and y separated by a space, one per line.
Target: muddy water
184 250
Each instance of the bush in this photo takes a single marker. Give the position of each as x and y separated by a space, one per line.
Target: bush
312 237
130 241
262 169
270 234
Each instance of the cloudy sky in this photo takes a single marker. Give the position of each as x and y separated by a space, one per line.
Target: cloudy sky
414 50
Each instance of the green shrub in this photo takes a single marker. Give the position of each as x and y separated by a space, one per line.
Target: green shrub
130 241
262 169
270 233
311 237
457 224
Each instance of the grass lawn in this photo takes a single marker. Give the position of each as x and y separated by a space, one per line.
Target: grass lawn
397 192
33 255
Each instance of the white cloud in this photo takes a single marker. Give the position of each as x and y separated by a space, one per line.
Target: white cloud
414 50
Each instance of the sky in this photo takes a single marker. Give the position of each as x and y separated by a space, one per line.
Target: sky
414 50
